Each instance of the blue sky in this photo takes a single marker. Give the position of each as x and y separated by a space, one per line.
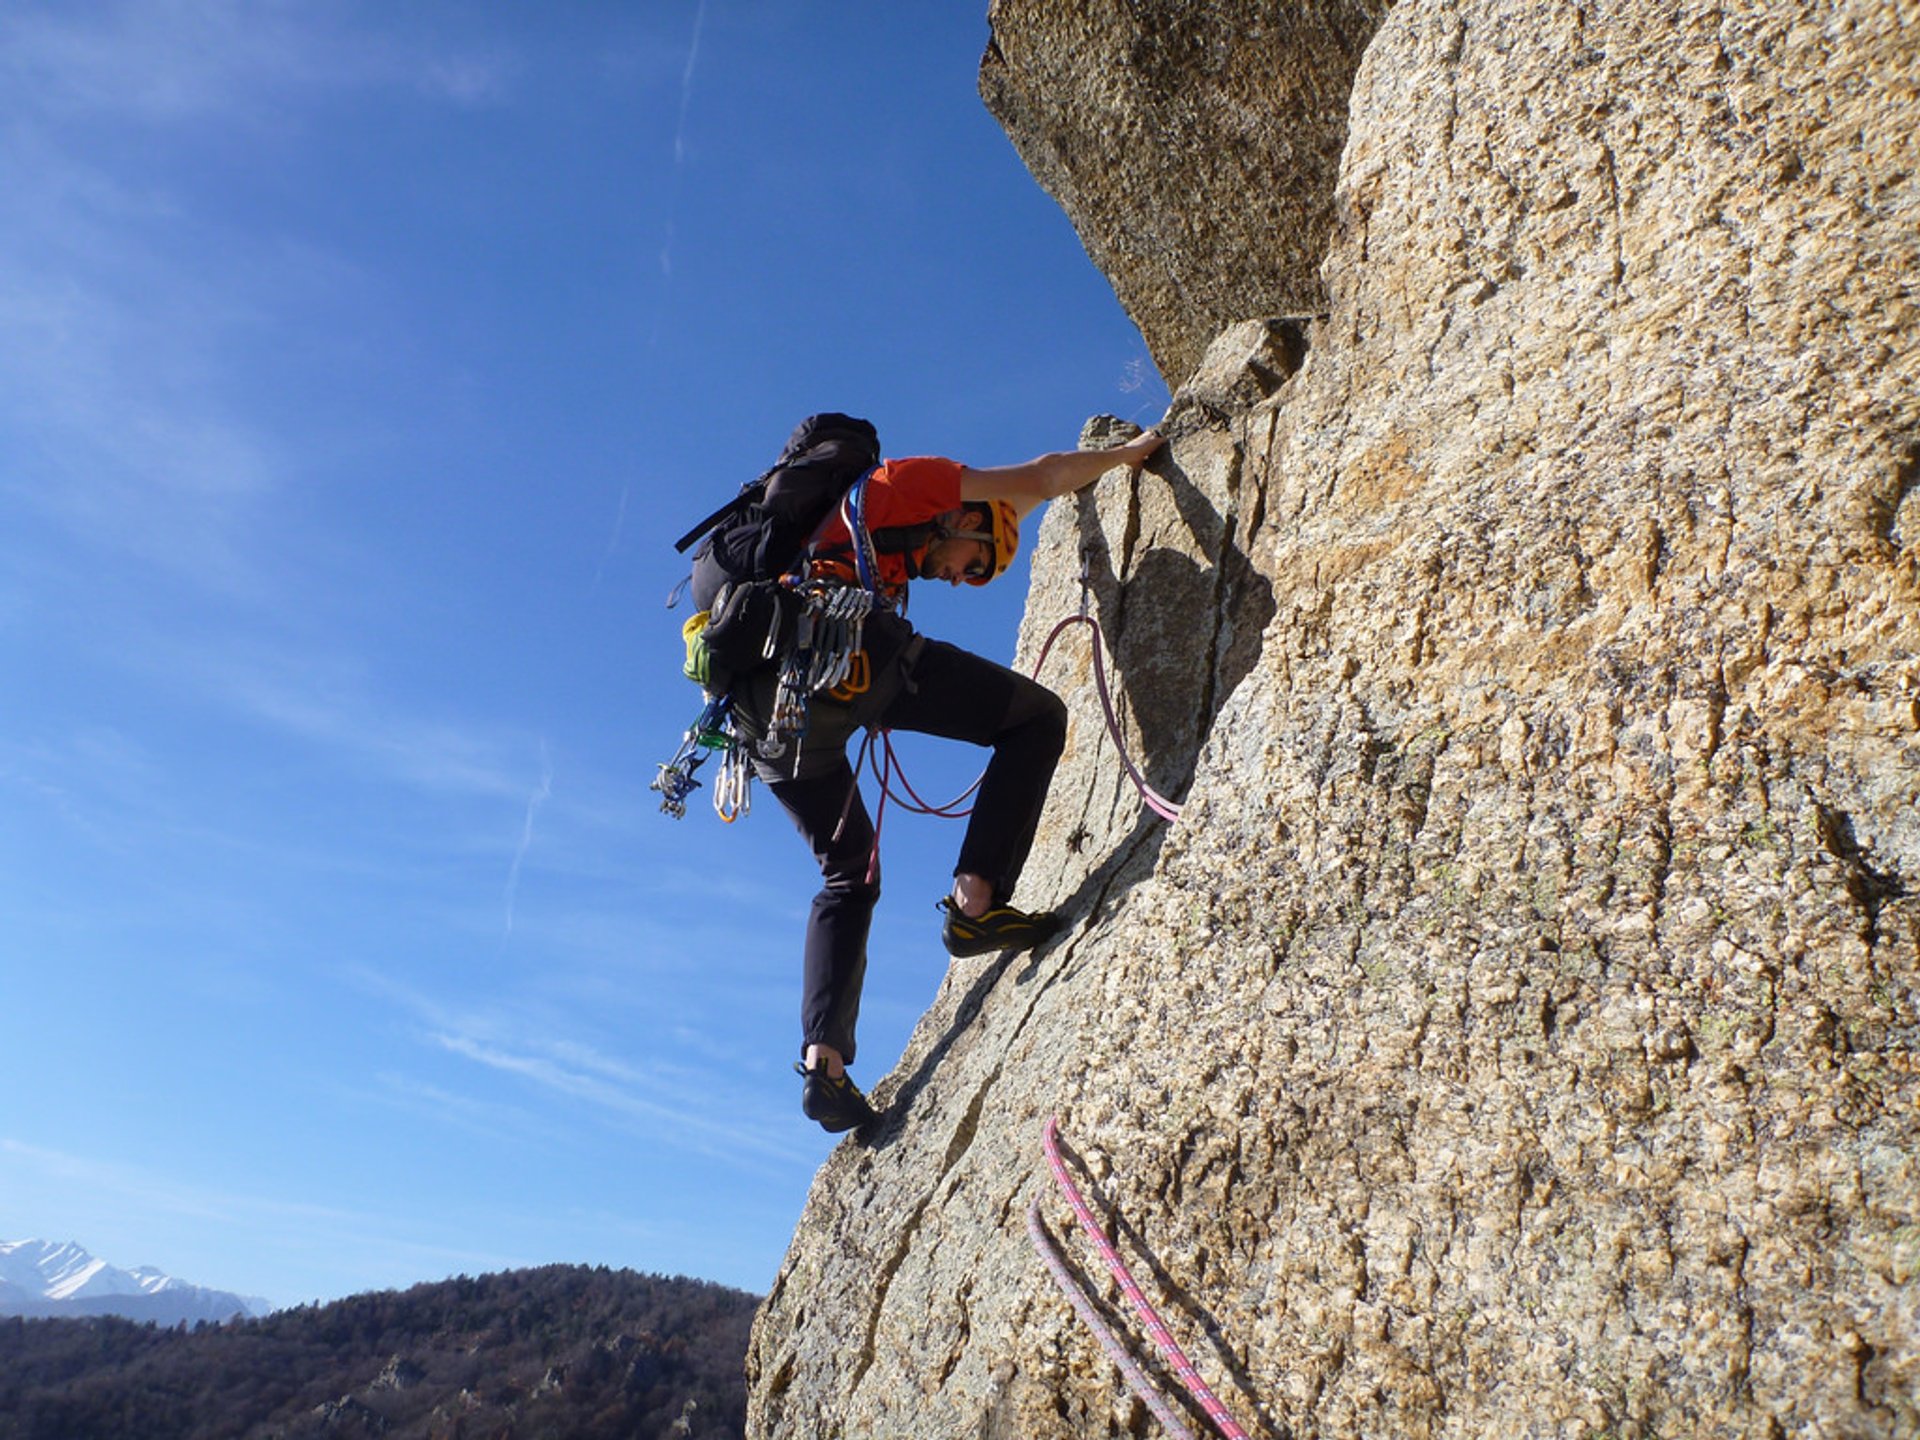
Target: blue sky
358 365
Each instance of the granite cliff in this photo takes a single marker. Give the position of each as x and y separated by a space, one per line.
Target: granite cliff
1519 1032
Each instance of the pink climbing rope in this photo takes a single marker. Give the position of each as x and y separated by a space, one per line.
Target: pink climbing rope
1136 1378
912 802
1156 1328
1155 801
887 768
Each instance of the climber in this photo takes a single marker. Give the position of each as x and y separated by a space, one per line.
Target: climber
938 520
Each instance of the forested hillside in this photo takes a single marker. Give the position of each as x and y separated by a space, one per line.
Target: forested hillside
560 1351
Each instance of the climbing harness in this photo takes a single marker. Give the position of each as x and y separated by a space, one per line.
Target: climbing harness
1150 1318
883 763
711 732
826 655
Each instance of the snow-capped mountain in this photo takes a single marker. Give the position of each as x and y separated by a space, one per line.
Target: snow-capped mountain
45 1278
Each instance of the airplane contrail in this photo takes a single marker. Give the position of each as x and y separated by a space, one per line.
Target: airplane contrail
534 801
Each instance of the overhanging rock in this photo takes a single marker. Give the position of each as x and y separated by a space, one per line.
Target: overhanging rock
1125 110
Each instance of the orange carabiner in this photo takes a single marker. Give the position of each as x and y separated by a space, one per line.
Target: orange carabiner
859 678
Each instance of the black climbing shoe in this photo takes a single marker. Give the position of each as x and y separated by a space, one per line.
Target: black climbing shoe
836 1105
1001 928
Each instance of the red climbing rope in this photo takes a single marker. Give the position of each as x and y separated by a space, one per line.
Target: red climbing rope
912 802
1169 1347
1155 801
885 765
1136 1378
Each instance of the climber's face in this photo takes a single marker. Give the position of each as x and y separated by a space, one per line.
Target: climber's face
954 560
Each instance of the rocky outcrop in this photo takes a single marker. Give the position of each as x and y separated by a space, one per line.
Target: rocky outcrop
1128 111
1519 1033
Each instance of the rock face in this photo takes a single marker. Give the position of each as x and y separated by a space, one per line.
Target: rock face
1130 111
1519 1032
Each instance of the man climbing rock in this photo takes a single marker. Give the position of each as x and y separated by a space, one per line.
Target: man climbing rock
921 518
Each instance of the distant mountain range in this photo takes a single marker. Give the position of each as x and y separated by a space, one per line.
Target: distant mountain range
46 1278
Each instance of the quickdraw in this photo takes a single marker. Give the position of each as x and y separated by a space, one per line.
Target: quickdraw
732 791
711 731
827 655
859 680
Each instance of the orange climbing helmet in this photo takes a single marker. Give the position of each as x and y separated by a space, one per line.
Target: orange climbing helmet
1005 540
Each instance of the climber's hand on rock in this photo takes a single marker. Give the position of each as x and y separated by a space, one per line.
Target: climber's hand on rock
1137 451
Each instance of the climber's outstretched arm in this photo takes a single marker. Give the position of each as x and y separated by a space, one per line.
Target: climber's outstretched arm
1051 476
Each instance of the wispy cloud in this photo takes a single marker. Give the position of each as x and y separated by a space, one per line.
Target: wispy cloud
614 538
542 793
94 1196
666 1103
185 60
511 1126
686 85
165 60
113 371
470 80
683 1113
680 137
139 316
165 1192
66 778
329 702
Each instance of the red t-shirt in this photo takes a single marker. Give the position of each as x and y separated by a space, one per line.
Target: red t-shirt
901 492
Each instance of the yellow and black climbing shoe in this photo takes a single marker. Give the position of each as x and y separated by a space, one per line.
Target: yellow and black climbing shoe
1000 928
834 1102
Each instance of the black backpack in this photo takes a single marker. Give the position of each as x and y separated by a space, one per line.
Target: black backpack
759 535
761 532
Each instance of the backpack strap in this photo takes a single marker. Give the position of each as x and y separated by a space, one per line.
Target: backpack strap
725 512
831 441
750 494
853 511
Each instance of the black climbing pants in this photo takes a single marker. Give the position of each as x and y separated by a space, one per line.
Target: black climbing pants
948 692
